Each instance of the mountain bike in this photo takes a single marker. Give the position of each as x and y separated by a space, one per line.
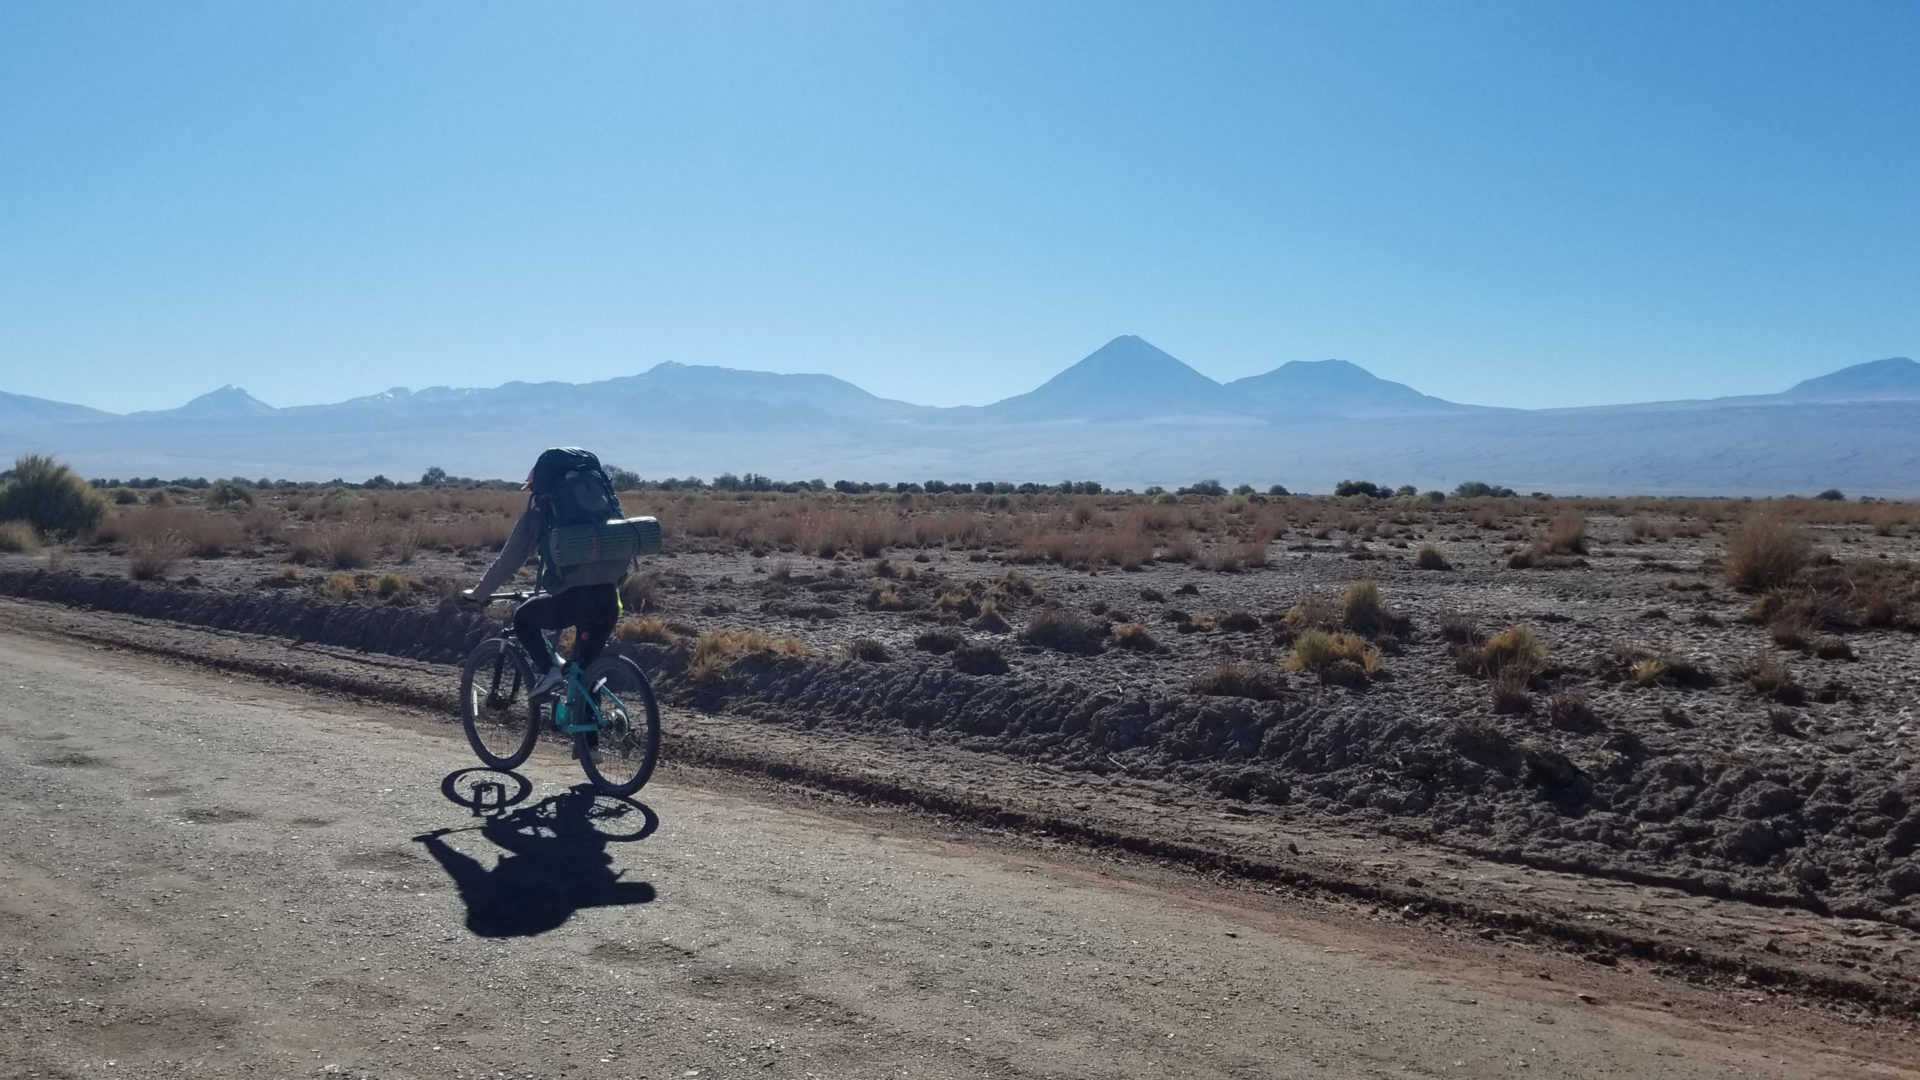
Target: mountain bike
608 710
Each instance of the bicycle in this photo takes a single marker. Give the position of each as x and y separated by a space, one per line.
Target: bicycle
609 711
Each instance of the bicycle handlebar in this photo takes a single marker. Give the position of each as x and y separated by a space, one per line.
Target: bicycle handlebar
497 597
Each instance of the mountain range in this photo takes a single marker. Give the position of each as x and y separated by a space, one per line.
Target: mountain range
1129 414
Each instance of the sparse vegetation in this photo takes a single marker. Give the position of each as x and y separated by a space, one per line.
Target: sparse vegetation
1430 557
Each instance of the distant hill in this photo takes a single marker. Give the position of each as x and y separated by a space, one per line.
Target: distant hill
1128 414
1125 379
1894 379
1333 388
18 410
227 402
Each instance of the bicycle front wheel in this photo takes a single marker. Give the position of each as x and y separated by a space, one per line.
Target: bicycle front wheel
619 757
500 722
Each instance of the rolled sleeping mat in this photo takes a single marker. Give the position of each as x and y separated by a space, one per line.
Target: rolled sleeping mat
612 541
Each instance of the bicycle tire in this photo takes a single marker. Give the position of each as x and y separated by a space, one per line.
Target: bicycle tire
620 757
494 710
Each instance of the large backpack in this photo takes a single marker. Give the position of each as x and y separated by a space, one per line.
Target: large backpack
570 488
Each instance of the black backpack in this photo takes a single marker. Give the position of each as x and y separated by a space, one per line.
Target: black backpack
570 488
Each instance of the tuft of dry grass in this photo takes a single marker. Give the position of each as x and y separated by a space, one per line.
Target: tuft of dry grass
979 658
884 597
1133 635
17 536
1430 557
1260 682
1516 652
716 652
867 650
1569 710
340 585
1338 658
1063 631
1365 612
152 558
1768 677
395 586
991 620
645 629
1765 553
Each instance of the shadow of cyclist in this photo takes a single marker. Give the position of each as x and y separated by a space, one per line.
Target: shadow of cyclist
556 863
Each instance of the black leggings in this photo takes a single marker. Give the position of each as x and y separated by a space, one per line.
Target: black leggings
590 609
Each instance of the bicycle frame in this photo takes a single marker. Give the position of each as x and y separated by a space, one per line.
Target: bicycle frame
578 691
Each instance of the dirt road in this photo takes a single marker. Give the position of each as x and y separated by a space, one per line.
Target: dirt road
205 876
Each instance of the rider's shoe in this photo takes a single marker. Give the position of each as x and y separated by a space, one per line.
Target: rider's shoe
548 683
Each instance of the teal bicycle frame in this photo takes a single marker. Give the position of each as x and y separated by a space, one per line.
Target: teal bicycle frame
578 692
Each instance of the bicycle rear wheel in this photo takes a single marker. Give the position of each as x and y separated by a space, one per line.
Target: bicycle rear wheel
620 756
501 724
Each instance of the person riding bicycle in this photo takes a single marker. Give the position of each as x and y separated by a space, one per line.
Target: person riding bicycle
567 487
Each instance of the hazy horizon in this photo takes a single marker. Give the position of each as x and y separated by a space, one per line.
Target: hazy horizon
1504 204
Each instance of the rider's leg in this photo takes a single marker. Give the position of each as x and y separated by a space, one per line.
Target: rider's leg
596 608
537 614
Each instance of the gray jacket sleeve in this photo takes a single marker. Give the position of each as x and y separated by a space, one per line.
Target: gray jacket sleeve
518 549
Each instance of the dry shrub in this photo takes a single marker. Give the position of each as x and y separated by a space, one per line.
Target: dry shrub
1238 622
16 537
51 497
1645 667
956 603
883 597
1133 635
645 629
1337 658
340 586
1568 533
153 557
1363 611
979 658
1765 552
395 586
1516 652
1062 630
1260 682
1512 691
991 620
715 652
1457 627
938 642
1830 647
1312 612
1769 678
868 650
1014 585
1569 710
1430 557
347 548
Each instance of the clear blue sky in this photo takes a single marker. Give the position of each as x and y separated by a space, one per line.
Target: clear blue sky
1528 203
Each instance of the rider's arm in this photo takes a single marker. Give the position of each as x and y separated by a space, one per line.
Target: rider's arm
518 549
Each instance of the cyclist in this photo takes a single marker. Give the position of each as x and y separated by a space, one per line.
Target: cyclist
567 487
